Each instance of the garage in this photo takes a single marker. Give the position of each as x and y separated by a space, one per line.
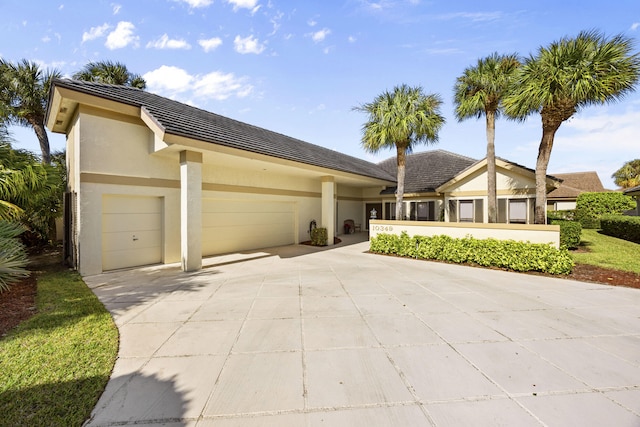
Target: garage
131 231
236 225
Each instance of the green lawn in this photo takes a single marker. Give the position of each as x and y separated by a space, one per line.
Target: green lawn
55 365
608 252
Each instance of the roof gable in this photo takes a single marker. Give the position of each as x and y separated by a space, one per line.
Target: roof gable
176 118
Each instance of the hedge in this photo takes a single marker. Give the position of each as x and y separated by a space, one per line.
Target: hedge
570 232
591 206
622 227
509 254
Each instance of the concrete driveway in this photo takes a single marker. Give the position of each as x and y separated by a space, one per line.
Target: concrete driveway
297 336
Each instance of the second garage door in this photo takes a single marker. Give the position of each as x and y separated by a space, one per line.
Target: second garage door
131 231
236 225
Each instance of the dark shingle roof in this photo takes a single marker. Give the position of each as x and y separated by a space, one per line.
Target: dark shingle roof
191 122
427 170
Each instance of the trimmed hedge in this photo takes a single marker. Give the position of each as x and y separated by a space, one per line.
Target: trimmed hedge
570 232
509 254
591 206
319 237
622 227
569 215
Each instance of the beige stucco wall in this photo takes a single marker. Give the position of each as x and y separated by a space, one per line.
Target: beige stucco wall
534 233
110 154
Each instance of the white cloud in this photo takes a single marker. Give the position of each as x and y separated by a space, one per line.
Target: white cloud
210 44
472 16
95 32
122 36
312 23
352 39
320 35
116 8
46 39
635 26
175 82
164 42
252 5
248 44
197 3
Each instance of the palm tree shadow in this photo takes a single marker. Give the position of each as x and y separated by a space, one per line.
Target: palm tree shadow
137 398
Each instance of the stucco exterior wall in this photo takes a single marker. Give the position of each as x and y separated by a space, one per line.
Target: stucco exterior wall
534 233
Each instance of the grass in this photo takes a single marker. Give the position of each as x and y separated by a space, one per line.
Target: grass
608 252
54 366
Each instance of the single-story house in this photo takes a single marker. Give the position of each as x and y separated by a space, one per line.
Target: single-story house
634 192
573 184
152 180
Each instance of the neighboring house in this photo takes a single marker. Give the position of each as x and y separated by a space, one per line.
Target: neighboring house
573 184
152 180
634 192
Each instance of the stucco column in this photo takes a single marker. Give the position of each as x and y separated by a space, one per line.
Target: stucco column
191 210
329 207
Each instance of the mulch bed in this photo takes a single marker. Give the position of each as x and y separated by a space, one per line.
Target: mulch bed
17 304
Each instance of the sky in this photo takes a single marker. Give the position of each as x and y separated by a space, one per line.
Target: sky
300 67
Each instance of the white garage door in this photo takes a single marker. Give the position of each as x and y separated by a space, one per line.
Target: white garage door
236 225
131 231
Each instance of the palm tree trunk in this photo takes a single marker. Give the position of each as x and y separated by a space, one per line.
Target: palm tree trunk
401 159
549 128
41 133
491 166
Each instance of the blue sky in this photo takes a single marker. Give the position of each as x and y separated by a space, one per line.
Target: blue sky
299 67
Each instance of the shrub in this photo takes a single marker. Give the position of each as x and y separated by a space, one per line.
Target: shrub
13 258
568 215
622 227
591 206
319 237
509 254
570 232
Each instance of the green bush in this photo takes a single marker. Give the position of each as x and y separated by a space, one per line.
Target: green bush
591 206
13 258
509 254
319 237
570 232
568 215
622 227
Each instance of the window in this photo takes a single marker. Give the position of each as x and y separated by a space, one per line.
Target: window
518 211
390 210
502 211
466 210
422 211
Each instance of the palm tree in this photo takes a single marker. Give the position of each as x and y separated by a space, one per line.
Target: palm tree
400 119
24 93
114 73
564 77
479 91
628 175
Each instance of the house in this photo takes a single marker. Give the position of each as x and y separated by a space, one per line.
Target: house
573 184
443 186
152 180
634 192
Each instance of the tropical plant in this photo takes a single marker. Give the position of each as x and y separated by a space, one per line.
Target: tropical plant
31 192
114 73
24 93
400 119
564 77
13 257
628 175
478 92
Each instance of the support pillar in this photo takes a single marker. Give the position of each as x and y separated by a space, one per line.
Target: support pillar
191 210
329 207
